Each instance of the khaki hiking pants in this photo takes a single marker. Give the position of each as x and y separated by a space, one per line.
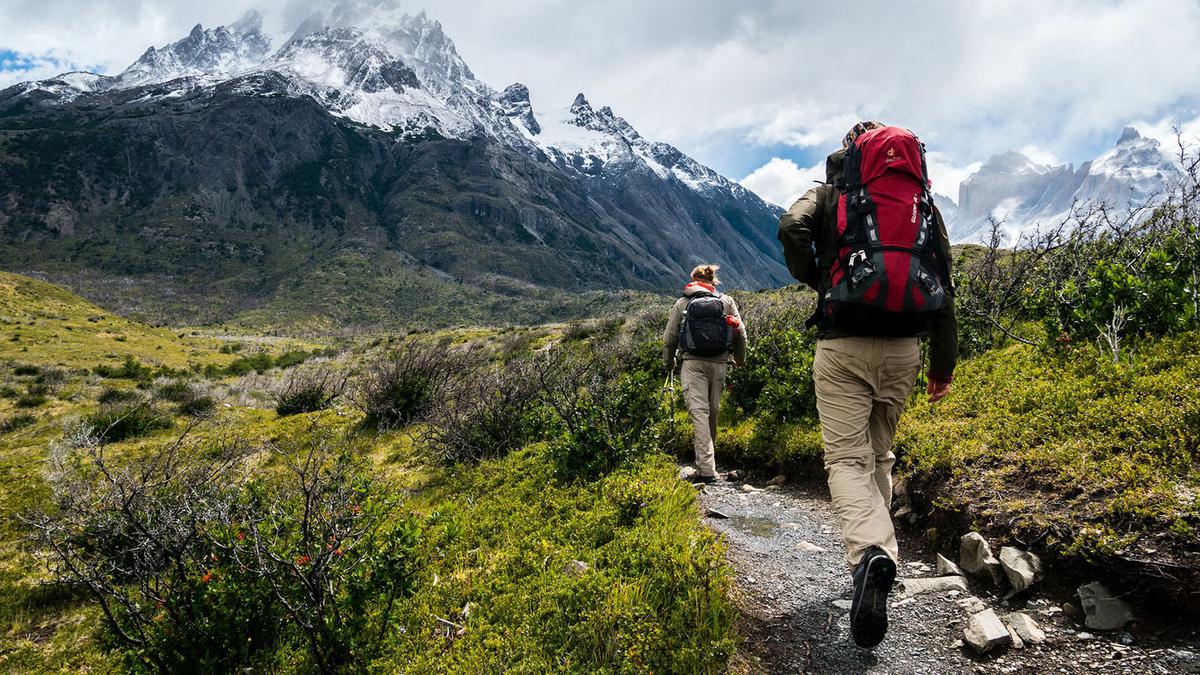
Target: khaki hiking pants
862 384
702 384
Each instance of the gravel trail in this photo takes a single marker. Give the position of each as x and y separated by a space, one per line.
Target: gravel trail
793 589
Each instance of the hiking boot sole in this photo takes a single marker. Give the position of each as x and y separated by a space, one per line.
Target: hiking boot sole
868 615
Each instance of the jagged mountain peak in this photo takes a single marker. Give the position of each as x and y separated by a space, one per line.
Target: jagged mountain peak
220 52
1128 135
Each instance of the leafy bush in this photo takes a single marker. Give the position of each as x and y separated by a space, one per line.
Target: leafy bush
199 568
130 369
652 598
15 422
486 414
777 381
201 407
117 422
111 395
308 390
405 385
25 370
600 410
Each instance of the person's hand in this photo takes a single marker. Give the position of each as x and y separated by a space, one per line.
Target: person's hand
937 389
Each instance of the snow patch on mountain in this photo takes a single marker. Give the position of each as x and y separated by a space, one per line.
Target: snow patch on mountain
215 53
1025 195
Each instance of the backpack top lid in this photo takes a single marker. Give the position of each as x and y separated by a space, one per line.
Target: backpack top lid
889 149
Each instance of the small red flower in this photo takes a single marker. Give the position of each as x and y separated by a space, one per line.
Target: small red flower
338 552
303 560
207 577
241 536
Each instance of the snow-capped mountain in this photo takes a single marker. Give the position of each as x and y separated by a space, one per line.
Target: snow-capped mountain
366 131
1024 194
216 52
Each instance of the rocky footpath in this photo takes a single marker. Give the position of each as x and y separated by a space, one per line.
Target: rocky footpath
982 613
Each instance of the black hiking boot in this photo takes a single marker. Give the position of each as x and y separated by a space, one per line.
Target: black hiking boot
873 580
707 480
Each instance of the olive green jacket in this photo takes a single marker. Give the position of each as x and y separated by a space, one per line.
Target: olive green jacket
810 227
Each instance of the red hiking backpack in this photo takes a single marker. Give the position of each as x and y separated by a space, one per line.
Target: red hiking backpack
887 277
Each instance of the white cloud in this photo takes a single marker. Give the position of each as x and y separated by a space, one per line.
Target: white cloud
782 181
1041 156
971 78
945 175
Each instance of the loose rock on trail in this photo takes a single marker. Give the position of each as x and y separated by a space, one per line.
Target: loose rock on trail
793 589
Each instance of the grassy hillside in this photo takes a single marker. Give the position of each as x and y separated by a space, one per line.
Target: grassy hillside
504 561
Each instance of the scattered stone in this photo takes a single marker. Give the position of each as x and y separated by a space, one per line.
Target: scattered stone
689 472
1015 638
1182 655
947 568
903 511
903 602
778 480
809 547
748 488
843 604
1126 639
1101 609
932 585
957 644
713 513
1084 635
790 526
1022 568
466 610
577 567
1069 609
1028 629
733 475
900 488
972 604
985 631
975 557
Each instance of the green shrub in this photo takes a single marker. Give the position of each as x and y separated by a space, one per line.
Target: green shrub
130 369
15 422
777 381
34 396
218 572
404 386
231 348
200 407
111 395
308 391
121 421
487 414
601 411
25 370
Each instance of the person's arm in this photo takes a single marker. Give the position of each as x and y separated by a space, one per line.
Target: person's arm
741 339
671 336
798 229
943 336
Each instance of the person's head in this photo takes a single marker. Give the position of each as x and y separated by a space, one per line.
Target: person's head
858 130
706 274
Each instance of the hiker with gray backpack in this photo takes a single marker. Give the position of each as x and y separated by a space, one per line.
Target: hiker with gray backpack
873 246
707 331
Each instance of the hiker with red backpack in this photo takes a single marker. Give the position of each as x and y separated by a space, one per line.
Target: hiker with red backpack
873 245
707 330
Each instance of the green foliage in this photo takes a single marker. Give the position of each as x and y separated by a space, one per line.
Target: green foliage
112 395
404 385
602 412
776 382
308 391
200 569
15 422
1095 446
502 537
130 369
117 422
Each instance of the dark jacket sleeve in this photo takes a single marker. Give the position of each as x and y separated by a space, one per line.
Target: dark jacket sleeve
671 334
943 336
797 231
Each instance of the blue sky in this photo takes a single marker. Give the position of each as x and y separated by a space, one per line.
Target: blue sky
760 90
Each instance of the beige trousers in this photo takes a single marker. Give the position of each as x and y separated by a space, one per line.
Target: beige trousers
702 384
862 384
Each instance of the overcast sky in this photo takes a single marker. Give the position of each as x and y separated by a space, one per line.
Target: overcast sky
760 90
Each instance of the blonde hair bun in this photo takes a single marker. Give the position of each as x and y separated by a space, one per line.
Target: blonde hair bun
706 273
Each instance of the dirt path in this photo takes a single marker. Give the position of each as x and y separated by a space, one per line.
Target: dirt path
793 589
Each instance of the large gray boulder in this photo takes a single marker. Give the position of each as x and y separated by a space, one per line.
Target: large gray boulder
975 557
1026 628
985 631
1022 568
1101 609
